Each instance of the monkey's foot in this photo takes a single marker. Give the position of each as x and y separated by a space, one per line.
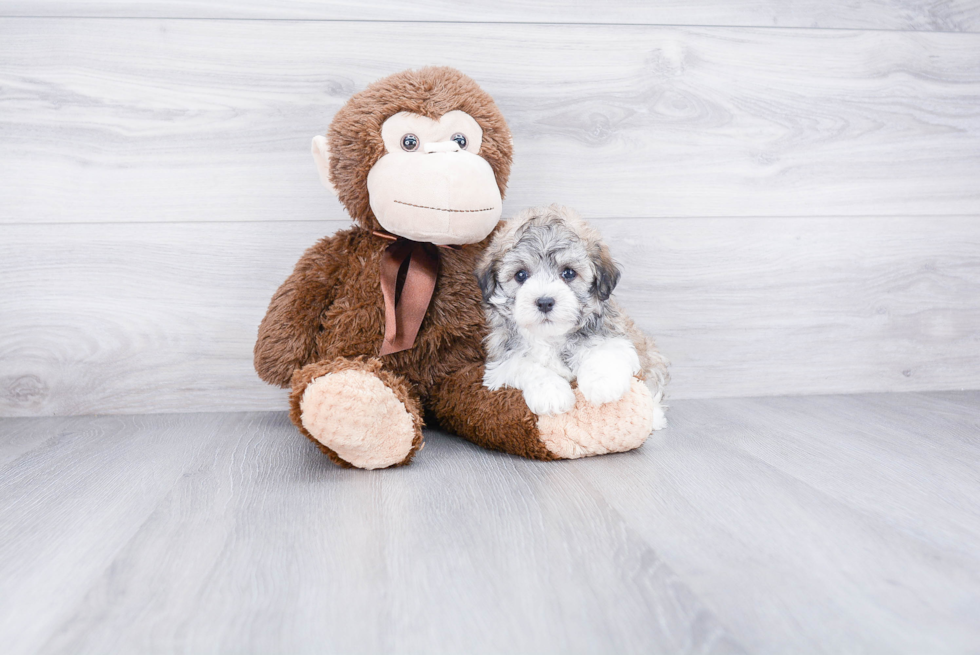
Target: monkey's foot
598 429
355 416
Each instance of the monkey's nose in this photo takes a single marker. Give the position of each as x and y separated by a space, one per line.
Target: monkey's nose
545 305
441 146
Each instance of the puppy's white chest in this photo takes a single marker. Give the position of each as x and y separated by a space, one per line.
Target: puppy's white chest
548 354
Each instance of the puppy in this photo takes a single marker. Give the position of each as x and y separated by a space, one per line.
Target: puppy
547 281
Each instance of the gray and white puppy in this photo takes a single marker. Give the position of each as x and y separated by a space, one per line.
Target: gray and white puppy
547 281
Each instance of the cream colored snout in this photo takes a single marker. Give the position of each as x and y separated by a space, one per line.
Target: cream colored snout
442 195
438 192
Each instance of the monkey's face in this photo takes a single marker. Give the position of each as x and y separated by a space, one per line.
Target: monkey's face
431 184
424 154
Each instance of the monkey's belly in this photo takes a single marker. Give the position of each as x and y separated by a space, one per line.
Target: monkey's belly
350 332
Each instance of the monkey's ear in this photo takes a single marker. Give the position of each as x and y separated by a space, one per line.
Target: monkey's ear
321 155
607 274
486 277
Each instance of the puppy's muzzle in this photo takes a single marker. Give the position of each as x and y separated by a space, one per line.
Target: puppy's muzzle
545 305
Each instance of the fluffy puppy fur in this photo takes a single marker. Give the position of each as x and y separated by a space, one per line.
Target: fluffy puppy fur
547 281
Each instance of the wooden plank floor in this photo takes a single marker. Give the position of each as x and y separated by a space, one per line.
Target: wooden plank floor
787 524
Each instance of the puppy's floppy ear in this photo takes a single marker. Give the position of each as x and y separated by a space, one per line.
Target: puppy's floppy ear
486 277
607 273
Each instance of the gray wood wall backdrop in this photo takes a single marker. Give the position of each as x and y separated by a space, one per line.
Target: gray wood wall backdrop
793 188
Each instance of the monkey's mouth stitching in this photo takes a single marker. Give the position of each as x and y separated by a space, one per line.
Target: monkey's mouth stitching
440 209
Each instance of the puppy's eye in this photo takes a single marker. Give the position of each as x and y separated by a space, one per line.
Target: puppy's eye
460 140
521 276
410 142
568 275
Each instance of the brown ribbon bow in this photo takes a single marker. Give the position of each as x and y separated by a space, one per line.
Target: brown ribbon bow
408 279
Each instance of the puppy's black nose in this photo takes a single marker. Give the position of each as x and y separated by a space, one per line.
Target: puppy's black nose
545 305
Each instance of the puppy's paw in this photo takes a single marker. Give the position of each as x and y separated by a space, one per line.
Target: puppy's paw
495 376
604 380
549 396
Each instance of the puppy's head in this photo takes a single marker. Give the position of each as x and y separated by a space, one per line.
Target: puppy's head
548 271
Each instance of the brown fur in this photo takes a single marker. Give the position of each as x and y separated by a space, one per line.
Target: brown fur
493 419
332 306
329 314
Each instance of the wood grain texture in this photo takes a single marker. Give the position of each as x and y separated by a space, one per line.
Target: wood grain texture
124 318
258 544
23 435
925 15
97 483
818 524
806 305
184 120
135 318
808 524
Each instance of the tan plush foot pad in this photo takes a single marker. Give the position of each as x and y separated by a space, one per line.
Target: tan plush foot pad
598 429
355 415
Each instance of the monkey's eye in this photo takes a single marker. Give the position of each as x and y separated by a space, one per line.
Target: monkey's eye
568 275
521 276
410 142
460 140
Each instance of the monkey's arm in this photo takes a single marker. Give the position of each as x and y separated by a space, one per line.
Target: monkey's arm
493 419
287 334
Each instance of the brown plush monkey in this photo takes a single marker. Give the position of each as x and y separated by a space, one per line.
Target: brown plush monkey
383 321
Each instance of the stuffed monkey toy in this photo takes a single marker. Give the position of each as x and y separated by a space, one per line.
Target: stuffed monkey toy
382 322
